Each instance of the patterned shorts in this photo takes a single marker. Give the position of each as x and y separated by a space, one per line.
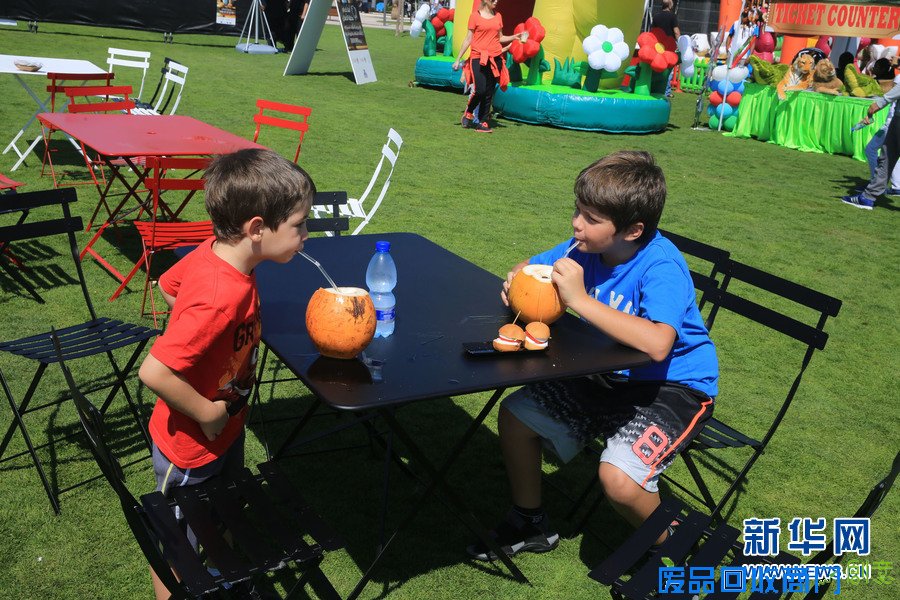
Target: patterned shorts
645 424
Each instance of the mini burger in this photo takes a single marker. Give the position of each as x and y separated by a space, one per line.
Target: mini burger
509 338
537 335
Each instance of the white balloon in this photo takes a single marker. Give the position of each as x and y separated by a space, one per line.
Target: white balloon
688 71
600 32
738 74
597 59
622 50
719 72
615 35
591 44
684 42
613 62
687 55
877 51
423 12
415 29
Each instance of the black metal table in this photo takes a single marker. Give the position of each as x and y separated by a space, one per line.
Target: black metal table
443 301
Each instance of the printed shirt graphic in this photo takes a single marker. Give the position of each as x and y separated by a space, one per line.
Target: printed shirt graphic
654 284
212 340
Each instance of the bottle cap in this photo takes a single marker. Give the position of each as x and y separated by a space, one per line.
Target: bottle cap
382 246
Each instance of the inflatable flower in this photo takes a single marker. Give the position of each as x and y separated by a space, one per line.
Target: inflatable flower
530 50
523 51
657 50
606 48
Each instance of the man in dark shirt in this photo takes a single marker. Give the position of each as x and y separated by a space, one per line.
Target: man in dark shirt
667 20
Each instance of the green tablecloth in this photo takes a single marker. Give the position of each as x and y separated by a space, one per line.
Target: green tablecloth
806 121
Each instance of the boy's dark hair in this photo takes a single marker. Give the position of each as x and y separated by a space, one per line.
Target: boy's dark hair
250 183
627 187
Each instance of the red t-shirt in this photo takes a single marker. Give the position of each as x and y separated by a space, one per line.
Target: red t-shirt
212 340
485 35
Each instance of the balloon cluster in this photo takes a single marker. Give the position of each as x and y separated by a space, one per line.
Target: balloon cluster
418 21
726 89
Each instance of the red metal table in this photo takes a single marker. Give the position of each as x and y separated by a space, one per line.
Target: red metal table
128 137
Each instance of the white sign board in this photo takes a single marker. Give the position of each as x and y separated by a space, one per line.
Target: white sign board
354 39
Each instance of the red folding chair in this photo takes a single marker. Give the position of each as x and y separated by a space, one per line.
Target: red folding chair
261 118
157 236
58 83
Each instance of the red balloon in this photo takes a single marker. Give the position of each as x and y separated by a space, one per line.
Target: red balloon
444 15
715 98
733 99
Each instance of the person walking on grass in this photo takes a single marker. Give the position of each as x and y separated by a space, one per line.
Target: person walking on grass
887 157
485 66
631 283
204 366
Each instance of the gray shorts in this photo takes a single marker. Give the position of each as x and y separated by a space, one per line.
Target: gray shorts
645 425
169 476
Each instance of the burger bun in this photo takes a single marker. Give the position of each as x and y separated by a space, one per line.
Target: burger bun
509 338
537 336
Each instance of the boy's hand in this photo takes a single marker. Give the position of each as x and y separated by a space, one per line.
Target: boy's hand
504 293
214 419
569 279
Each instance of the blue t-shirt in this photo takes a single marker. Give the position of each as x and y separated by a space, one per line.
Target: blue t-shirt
654 284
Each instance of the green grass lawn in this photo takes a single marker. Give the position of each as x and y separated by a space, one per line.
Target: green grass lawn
493 199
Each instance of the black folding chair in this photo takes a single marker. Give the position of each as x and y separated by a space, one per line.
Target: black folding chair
700 540
743 292
246 527
94 337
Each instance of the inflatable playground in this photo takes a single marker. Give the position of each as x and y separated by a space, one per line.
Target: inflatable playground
577 68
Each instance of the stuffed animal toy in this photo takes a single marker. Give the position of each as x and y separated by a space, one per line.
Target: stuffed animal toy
766 73
799 77
859 85
825 78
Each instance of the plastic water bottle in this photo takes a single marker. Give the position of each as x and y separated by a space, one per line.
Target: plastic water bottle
381 277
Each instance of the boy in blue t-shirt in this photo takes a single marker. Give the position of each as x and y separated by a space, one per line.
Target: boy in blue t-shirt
632 284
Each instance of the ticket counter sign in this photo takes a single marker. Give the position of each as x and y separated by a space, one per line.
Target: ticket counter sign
846 19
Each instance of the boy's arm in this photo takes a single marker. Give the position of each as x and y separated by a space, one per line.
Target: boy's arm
656 339
181 396
169 298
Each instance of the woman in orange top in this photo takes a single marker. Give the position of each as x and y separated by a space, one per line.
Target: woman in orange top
485 66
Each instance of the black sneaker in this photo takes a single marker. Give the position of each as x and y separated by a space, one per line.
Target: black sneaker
467 120
514 535
483 127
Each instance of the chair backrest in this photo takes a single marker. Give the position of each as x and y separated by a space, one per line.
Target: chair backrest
299 123
67 225
58 82
334 224
109 98
389 153
706 277
9 184
136 59
173 78
795 311
95 432
174 173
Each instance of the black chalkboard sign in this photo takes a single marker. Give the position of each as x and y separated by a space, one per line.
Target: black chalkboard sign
354 36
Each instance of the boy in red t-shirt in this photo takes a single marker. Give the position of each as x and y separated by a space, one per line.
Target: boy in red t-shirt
203 366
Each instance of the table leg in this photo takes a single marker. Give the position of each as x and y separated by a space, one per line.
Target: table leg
42 107
437 482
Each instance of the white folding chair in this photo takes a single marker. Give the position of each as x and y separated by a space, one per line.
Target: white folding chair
174 76
135 59
355 207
